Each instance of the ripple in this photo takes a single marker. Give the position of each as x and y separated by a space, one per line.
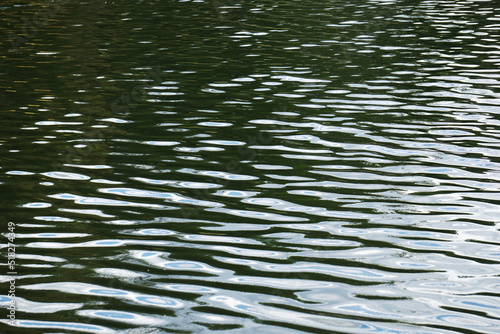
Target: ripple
188 288
66 176
113 243
223 142
53 218
115 120
161 143
121 316
215 124
158 260
91 289
155 231
272 167
90 166
218 174
298 79
57 123
167 196
86 328
37 205
179 184
18 172
257 215
103 201
55 235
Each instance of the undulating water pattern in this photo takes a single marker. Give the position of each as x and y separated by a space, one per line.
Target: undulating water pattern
251 167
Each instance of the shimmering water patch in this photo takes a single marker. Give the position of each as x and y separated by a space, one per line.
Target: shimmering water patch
18 172
74 326
37 205
66 176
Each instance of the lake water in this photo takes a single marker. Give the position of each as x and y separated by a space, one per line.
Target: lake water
251 167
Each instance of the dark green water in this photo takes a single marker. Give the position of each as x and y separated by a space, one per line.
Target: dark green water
251 167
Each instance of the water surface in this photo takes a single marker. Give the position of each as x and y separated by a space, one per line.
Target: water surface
254 167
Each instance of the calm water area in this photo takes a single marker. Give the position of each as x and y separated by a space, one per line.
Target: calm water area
226 166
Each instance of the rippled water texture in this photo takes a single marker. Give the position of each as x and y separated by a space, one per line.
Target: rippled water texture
251 167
